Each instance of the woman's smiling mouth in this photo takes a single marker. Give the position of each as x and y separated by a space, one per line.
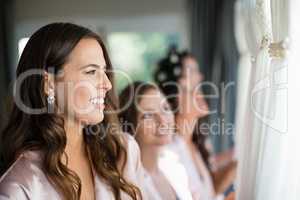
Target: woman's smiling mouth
98 102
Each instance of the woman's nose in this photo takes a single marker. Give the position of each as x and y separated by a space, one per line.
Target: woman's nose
104 82
163 117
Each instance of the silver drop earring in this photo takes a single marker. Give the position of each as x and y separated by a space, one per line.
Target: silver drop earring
51 97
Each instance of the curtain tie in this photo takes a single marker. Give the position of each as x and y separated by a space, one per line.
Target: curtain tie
279 50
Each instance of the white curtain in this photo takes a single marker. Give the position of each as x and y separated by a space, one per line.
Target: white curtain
263 139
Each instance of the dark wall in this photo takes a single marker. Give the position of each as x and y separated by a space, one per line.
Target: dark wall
6 33
213 43
4 56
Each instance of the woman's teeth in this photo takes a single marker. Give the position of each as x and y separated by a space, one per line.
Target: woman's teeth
97 100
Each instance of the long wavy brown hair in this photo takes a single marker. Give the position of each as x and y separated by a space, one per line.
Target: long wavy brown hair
44 131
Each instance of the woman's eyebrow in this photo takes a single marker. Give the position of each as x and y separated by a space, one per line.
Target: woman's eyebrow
93 65
148 109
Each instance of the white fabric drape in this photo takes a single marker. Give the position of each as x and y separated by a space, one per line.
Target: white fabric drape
262 31
291 163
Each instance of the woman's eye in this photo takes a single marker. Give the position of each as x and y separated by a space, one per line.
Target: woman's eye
166 108
147 115
91 72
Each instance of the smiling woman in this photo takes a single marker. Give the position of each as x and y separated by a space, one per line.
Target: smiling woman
86 84
52 146
152 122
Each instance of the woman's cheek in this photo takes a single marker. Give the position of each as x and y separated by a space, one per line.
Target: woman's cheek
146 132
81 98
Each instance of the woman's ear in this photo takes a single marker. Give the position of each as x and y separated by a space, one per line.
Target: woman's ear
48 82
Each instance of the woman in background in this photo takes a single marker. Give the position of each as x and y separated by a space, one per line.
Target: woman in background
53 146
178 76
147 115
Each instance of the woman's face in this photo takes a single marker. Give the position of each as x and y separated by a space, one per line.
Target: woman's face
82 85
191 100
191 76
155 120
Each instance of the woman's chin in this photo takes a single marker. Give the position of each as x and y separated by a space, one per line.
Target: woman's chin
164 139
96 118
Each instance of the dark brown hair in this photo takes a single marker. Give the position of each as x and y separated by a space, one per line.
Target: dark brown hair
165 74
129 97
169 71
48 47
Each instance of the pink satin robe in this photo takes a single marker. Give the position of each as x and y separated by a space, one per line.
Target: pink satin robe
25 179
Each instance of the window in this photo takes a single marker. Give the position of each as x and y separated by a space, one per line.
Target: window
21 45
137 54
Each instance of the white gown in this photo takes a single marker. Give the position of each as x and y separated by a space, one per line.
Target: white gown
175 174
200 186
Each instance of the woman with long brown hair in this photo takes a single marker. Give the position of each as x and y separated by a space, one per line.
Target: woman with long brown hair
179 77
62 139
146 110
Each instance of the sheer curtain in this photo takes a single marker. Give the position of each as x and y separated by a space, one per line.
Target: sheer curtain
263 139
292 146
